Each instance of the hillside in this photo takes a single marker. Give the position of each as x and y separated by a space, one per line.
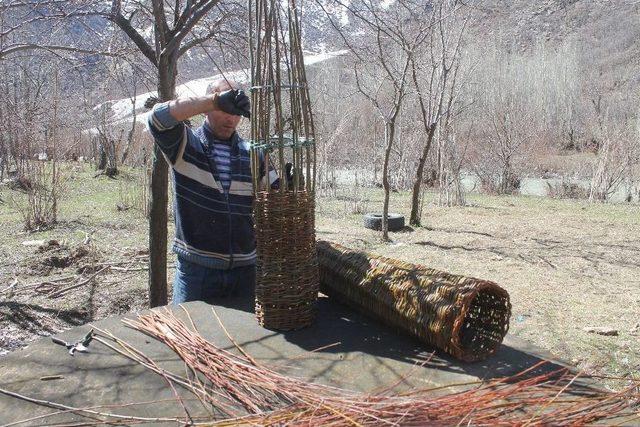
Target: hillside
603 32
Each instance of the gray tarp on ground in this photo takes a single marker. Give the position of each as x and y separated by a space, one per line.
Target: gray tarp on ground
369 356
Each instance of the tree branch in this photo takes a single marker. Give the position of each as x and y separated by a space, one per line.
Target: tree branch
204 7
34 46
186 12
125 25
161 26
213 30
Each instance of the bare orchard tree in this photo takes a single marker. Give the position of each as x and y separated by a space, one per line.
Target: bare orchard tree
618 155
334 123
22 110
506 127
107 139
383 47
115 135
127 76
177 27
452 156
435 76
32 129
503 145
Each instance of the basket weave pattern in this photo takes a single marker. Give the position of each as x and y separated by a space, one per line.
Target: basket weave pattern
287 273
282 138
466 317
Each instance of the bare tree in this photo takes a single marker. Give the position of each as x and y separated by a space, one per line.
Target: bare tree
383 49
178 26
435 78
31 128
175 25
107 140
127 76
114 135
508 120
618 154
22 109
505 141
452 156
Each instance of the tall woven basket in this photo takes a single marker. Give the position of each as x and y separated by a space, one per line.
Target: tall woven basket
466 317
283 146
287 277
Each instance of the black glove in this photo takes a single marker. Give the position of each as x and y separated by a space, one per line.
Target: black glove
234 102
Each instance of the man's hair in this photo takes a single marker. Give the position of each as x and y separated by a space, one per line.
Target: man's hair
220 85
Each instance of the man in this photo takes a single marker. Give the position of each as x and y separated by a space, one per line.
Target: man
214 242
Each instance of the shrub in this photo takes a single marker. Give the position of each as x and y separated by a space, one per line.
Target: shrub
566 190
42 186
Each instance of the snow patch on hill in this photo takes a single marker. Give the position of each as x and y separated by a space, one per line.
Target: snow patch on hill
121 111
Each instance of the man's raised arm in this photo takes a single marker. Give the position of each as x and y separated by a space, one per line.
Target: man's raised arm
231 102
184 108
166 122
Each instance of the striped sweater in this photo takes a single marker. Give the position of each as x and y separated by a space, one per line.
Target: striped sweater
221 153
213 192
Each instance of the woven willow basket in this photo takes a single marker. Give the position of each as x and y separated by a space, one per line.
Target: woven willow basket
287 275
466 317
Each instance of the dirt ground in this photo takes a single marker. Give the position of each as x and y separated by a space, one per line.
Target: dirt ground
568 265
91 265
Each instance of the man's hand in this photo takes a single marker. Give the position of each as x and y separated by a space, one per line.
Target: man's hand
234 102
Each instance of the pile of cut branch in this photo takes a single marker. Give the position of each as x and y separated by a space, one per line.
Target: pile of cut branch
244 391
92 268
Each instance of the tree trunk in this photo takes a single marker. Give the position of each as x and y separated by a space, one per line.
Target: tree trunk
102 157
167 69
389 129
111 169
130 135
416 214
505 181
3 163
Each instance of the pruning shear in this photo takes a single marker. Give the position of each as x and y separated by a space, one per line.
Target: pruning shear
81 346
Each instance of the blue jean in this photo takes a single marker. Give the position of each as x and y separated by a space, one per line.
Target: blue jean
194 282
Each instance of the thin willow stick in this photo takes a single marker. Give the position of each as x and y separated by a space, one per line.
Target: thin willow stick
84 411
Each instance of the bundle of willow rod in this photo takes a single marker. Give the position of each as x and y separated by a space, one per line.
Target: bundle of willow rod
282 134
466 317
234 383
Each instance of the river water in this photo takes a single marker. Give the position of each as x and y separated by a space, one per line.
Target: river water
528 186
540 187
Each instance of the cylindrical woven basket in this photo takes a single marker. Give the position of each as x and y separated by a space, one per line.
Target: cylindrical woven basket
466 317
287 275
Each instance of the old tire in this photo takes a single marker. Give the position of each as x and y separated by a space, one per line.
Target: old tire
373 221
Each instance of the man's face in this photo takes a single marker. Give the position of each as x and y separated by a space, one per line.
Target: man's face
223 124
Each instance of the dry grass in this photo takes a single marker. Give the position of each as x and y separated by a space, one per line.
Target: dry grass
88 211
567 265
